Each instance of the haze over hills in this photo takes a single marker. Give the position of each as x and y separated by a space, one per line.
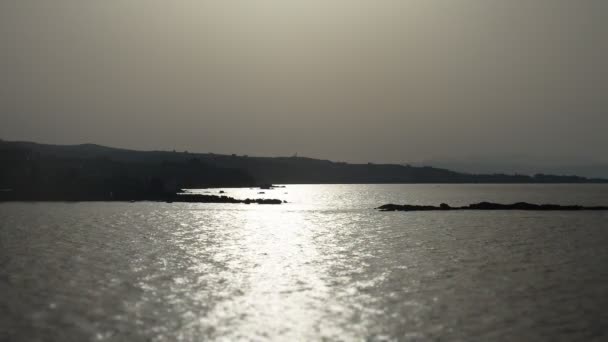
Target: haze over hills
353 80
522 164
39 171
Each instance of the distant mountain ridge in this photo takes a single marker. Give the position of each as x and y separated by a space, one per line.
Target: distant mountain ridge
569 165
75 171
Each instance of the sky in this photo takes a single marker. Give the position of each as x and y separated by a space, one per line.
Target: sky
346 80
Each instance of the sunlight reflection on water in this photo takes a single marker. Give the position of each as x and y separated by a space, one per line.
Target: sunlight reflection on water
325 265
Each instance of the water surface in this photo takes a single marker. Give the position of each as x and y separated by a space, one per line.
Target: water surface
324 266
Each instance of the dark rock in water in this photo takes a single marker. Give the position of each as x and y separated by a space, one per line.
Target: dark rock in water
262 201
197 198
527 206
489 206
269 201
406 207
222 192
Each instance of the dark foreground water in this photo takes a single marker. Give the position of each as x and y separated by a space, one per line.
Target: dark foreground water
324 266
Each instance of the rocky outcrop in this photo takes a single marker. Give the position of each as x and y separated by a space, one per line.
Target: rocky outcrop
187 197
489 206
197 198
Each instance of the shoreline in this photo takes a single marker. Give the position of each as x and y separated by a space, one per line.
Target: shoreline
491 206
168 198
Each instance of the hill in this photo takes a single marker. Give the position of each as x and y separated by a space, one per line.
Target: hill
75 171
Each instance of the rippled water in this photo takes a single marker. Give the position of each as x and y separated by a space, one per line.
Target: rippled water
324 266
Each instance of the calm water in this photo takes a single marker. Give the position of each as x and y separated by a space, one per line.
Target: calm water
324 266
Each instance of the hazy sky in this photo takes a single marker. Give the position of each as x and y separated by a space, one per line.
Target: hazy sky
354 80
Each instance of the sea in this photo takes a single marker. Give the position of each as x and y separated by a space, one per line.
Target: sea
326 266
